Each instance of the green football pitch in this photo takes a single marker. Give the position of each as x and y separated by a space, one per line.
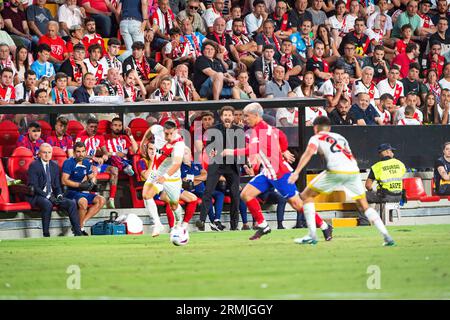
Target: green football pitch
227 265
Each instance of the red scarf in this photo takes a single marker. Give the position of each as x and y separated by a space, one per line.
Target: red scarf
286 60
221 40
275 41
178 51
397 91
284 22
99 72
65 96
163 96
77 74
120 91
196 48
143 68
326 67
131 92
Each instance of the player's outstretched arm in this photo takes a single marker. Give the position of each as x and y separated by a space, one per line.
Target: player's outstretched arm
304 160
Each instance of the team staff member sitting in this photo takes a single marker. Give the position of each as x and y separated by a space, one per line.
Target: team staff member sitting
388 172
78 177
43 176
442 172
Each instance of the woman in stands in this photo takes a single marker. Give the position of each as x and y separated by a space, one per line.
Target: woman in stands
307 88
432 84
243 90
22 61
429 109
331 52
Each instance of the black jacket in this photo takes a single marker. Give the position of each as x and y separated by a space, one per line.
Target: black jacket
38 179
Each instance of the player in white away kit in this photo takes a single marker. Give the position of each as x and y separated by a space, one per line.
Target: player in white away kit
342 170
165 172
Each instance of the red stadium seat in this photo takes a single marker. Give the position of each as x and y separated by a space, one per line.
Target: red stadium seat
74 128
59 156
227 199
416 191
104 126
5 204
46 129
19 162
138 128
9 133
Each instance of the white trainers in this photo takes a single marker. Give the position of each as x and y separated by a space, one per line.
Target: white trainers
305 240
157 229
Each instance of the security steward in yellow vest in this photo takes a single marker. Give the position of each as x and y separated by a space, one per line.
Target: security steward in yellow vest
389 174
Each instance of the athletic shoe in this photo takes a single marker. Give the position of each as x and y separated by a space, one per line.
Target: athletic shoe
260 232
200 225
220 225
388 242
245 227
305 240
280 226
128 170
84 233
110 204
214 227
157 229
328 233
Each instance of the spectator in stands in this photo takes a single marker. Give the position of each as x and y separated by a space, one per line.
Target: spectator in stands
222 166
442 172
412 82
74 67
236 13
262 69
25 90
363 112
109 59
43 176
243 90
38 17
302 41
287 117
93 64
70 15
7 90
431 83
331 51
338 23
318 16
360 40
105 14
401 44
434 60
277 87
245 47
425 14
386 108
41 66
182 87
119 144
411 100
5 37
5 58
283 29
16 24
429 109
41 97
144 67
132 81
441 36
32 139
163 20
409 120
91 36
60 94
195 39
254 21
392 86
268 37
176 52
378 63
60 138
163 93
134 20
334 88
291 64
113 83
191 13
210 75
307 87
298 14
445 81
22 62
78 176
351 64
340 114
365 84
312 113
444 107
318 65
212 13
83 93
410 16
442 11
96 151
44 83
76 34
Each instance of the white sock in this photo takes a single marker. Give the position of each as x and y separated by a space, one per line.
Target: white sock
310 212
178 213
324 225
263 224
152 209
375 219
184 225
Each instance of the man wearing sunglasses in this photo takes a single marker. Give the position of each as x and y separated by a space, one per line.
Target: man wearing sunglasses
191 13
32 139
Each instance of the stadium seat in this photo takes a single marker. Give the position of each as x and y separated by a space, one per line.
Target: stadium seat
59 156
138 128
9 133
19 162
416 191
74 128
53 7
104 126
46 129
5 204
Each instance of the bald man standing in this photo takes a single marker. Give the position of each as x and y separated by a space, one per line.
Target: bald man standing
44 177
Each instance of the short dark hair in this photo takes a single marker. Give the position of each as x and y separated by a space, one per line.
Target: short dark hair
60 75
29 73
7 69
207 113
175 31
88 19
63 120
39 91
386 96
378 48
237 20
94 47
268 47
137 45
414 65
256 2
113 42
209 43
34 125
395 67
170 124
78 144
322 121
92 120
226 108
360 19
411 47
79 47
406 26
44 47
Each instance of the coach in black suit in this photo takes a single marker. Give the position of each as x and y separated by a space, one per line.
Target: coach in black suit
43 176
219 166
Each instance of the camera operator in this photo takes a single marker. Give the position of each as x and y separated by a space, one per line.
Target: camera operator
81 182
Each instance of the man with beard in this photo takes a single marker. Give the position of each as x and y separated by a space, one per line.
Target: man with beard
404 60
60 138
113 83
302 40
340 115
194 39
109 59
361 41
182 87
16 23
245 47
261 71
298 14
211 14
118 143
218 138
91 36
78 176
25 90
75 68
32 139
191 13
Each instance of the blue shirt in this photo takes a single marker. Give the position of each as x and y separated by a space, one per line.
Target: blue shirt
132 9
195 169
367 115
77 172
200 38
42 69
300 44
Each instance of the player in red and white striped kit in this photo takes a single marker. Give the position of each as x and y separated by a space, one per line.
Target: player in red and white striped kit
269 145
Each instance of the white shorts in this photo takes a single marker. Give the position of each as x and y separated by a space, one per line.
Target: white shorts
171 186
327 182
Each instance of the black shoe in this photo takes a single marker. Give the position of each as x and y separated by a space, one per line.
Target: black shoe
255 226
214 226
328 233
46 235
200 225
280 225
363 222
245 227
220 225
260 232
84 233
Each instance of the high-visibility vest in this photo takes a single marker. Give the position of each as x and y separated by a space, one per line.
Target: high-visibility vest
389 175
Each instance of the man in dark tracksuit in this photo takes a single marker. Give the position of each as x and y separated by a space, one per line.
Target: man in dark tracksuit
222 136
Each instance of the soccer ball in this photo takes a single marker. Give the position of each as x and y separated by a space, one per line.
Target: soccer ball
179 236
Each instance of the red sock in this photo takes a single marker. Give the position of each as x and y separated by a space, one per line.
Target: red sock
170 216
255 209
189 211
319 221
112 192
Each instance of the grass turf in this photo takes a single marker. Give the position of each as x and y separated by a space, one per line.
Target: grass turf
228 265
